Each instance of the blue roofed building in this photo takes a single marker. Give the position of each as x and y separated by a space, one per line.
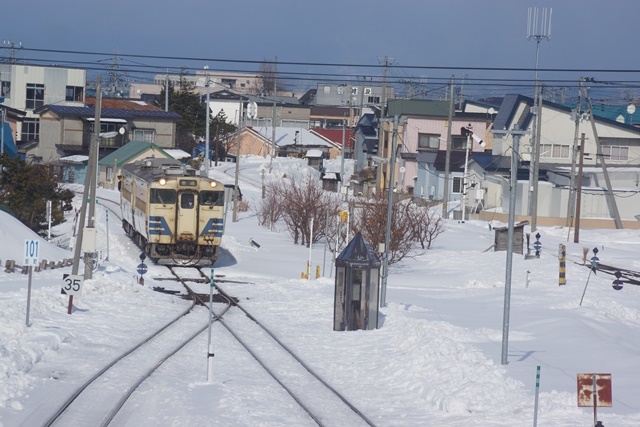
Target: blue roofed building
68 130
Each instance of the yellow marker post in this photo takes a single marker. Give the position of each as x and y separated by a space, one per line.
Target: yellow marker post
562 256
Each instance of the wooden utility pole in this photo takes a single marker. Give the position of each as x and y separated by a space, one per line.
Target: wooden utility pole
574 155
600 158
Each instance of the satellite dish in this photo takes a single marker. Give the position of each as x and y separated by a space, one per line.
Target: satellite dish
491 111
122 130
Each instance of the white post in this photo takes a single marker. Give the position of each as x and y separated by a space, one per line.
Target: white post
49 220
209 344
106 212
464 177
310 247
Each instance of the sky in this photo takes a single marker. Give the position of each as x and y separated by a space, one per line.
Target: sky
435 360
592 35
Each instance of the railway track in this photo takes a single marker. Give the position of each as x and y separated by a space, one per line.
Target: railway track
322 402
627 276
108 390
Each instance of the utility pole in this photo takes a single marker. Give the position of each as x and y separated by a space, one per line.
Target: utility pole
235 185
383 104
463 204
513 193
166 91
93 162
600 158
12 46
207 118
536 166
576 233
387 235
274 114
447 161
574 152
343 151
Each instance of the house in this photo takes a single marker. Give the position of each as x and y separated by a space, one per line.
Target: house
620 151
227 102
290 142
339 136
109 167
9 119
73 169
68 130
28 87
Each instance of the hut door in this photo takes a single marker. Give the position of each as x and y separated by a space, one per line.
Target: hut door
355 303
186 222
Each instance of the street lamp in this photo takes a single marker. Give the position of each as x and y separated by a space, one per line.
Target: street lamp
468 132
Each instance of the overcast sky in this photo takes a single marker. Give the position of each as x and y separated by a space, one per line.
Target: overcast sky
586 34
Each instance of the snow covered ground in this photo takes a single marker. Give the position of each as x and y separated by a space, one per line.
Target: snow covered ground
434 361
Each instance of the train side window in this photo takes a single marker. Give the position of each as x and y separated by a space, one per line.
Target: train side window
211 198
163 196
186 200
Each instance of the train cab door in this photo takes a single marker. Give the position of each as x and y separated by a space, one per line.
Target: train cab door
187 217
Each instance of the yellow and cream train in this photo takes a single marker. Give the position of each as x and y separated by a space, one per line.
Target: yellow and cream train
170 211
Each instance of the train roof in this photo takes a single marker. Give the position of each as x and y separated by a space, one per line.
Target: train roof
152 168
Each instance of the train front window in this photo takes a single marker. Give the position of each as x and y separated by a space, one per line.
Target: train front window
186 200
211 198
163 196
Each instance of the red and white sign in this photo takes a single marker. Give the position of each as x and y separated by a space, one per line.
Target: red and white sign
594 384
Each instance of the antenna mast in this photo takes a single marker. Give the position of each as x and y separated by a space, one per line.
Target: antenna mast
538 28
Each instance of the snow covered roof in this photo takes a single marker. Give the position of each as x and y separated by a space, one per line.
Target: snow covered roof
177 153
293 136
78 158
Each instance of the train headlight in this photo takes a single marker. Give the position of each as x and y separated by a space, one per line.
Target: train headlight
213 183
162 181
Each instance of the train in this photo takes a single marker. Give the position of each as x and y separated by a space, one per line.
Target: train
171 212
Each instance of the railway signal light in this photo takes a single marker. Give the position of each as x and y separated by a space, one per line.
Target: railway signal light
617 284
537 245
594 260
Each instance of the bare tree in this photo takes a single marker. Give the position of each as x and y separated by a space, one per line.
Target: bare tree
427 224
371 219
271 207
295 203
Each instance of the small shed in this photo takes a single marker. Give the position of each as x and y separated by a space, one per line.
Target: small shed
330 181
314 158
357 287
502 237
74 168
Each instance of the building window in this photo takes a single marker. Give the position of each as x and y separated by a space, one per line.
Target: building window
615 152
457 185
30 130
5 89
554 151
428 140
74 93
35 96
373 100
146 135
459 142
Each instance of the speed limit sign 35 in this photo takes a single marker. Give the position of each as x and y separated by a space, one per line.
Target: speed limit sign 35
71 284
